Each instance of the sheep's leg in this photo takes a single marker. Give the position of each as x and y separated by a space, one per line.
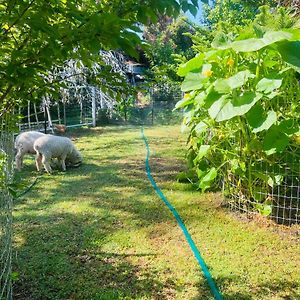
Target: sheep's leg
38 162
19 160
63 162
46 163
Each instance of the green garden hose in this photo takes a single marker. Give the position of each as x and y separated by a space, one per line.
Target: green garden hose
214 289
28 188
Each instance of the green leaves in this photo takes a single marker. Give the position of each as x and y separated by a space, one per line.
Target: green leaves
193 64
254 44
203 150
263 209
200 128
266 85
275 141
192 81
227 85
259 120
290 53
40 34
207 179
228 107
278 136
240 121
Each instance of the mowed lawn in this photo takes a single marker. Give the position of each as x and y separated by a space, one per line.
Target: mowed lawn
101 232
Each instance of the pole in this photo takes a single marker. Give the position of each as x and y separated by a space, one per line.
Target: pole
94 107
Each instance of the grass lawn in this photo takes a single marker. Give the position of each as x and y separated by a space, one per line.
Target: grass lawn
101 232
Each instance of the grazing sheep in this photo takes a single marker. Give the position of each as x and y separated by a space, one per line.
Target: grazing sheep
62 148
24 144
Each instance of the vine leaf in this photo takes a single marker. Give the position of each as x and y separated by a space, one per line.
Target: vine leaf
228 107
260 121
233 82
275 140
267 85
192 81
254 44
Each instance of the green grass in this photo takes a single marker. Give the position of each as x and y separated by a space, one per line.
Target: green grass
100 231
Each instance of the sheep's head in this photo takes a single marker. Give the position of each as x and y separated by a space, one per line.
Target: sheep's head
74 159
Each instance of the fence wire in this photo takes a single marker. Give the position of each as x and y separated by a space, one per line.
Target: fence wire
276 187
6 176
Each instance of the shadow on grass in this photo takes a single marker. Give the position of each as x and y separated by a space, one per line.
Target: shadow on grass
73 230
264 290
58 261
59 255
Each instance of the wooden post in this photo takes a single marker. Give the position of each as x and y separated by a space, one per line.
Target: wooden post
94 108
45 117
50 125
81 112
28 115
65 114
58 113
19 118
125 109
36 116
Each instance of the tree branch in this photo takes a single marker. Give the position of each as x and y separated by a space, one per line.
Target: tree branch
19 18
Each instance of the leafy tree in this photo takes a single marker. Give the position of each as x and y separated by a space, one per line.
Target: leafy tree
36 35
233 12
168 46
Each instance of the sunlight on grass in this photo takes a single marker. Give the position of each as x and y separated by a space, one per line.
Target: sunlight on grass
101 232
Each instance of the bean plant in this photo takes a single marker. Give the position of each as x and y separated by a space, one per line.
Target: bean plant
241 107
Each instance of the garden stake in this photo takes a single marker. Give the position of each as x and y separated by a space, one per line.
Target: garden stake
214 289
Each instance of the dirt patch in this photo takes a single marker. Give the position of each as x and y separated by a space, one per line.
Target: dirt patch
291 233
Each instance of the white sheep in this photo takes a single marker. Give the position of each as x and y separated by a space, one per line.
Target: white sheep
51 146
24 145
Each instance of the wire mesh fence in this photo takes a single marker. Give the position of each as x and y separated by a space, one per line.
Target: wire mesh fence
70 114
274 189
6 176
151 110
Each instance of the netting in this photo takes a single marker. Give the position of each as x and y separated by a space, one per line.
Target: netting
145 109
6 174
272 189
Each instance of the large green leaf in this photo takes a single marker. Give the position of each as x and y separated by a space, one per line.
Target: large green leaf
233 82
183 102
228 107
295 32
290 52
254 44
207 179
267 85
275 140
193 81
289 127
211 97
193 64
200 128
258 120
203 150
199 99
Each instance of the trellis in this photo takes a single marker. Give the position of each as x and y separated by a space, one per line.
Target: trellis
6 176
277 189
87 98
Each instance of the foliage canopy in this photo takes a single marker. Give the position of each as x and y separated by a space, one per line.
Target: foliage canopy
241 108
35 35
